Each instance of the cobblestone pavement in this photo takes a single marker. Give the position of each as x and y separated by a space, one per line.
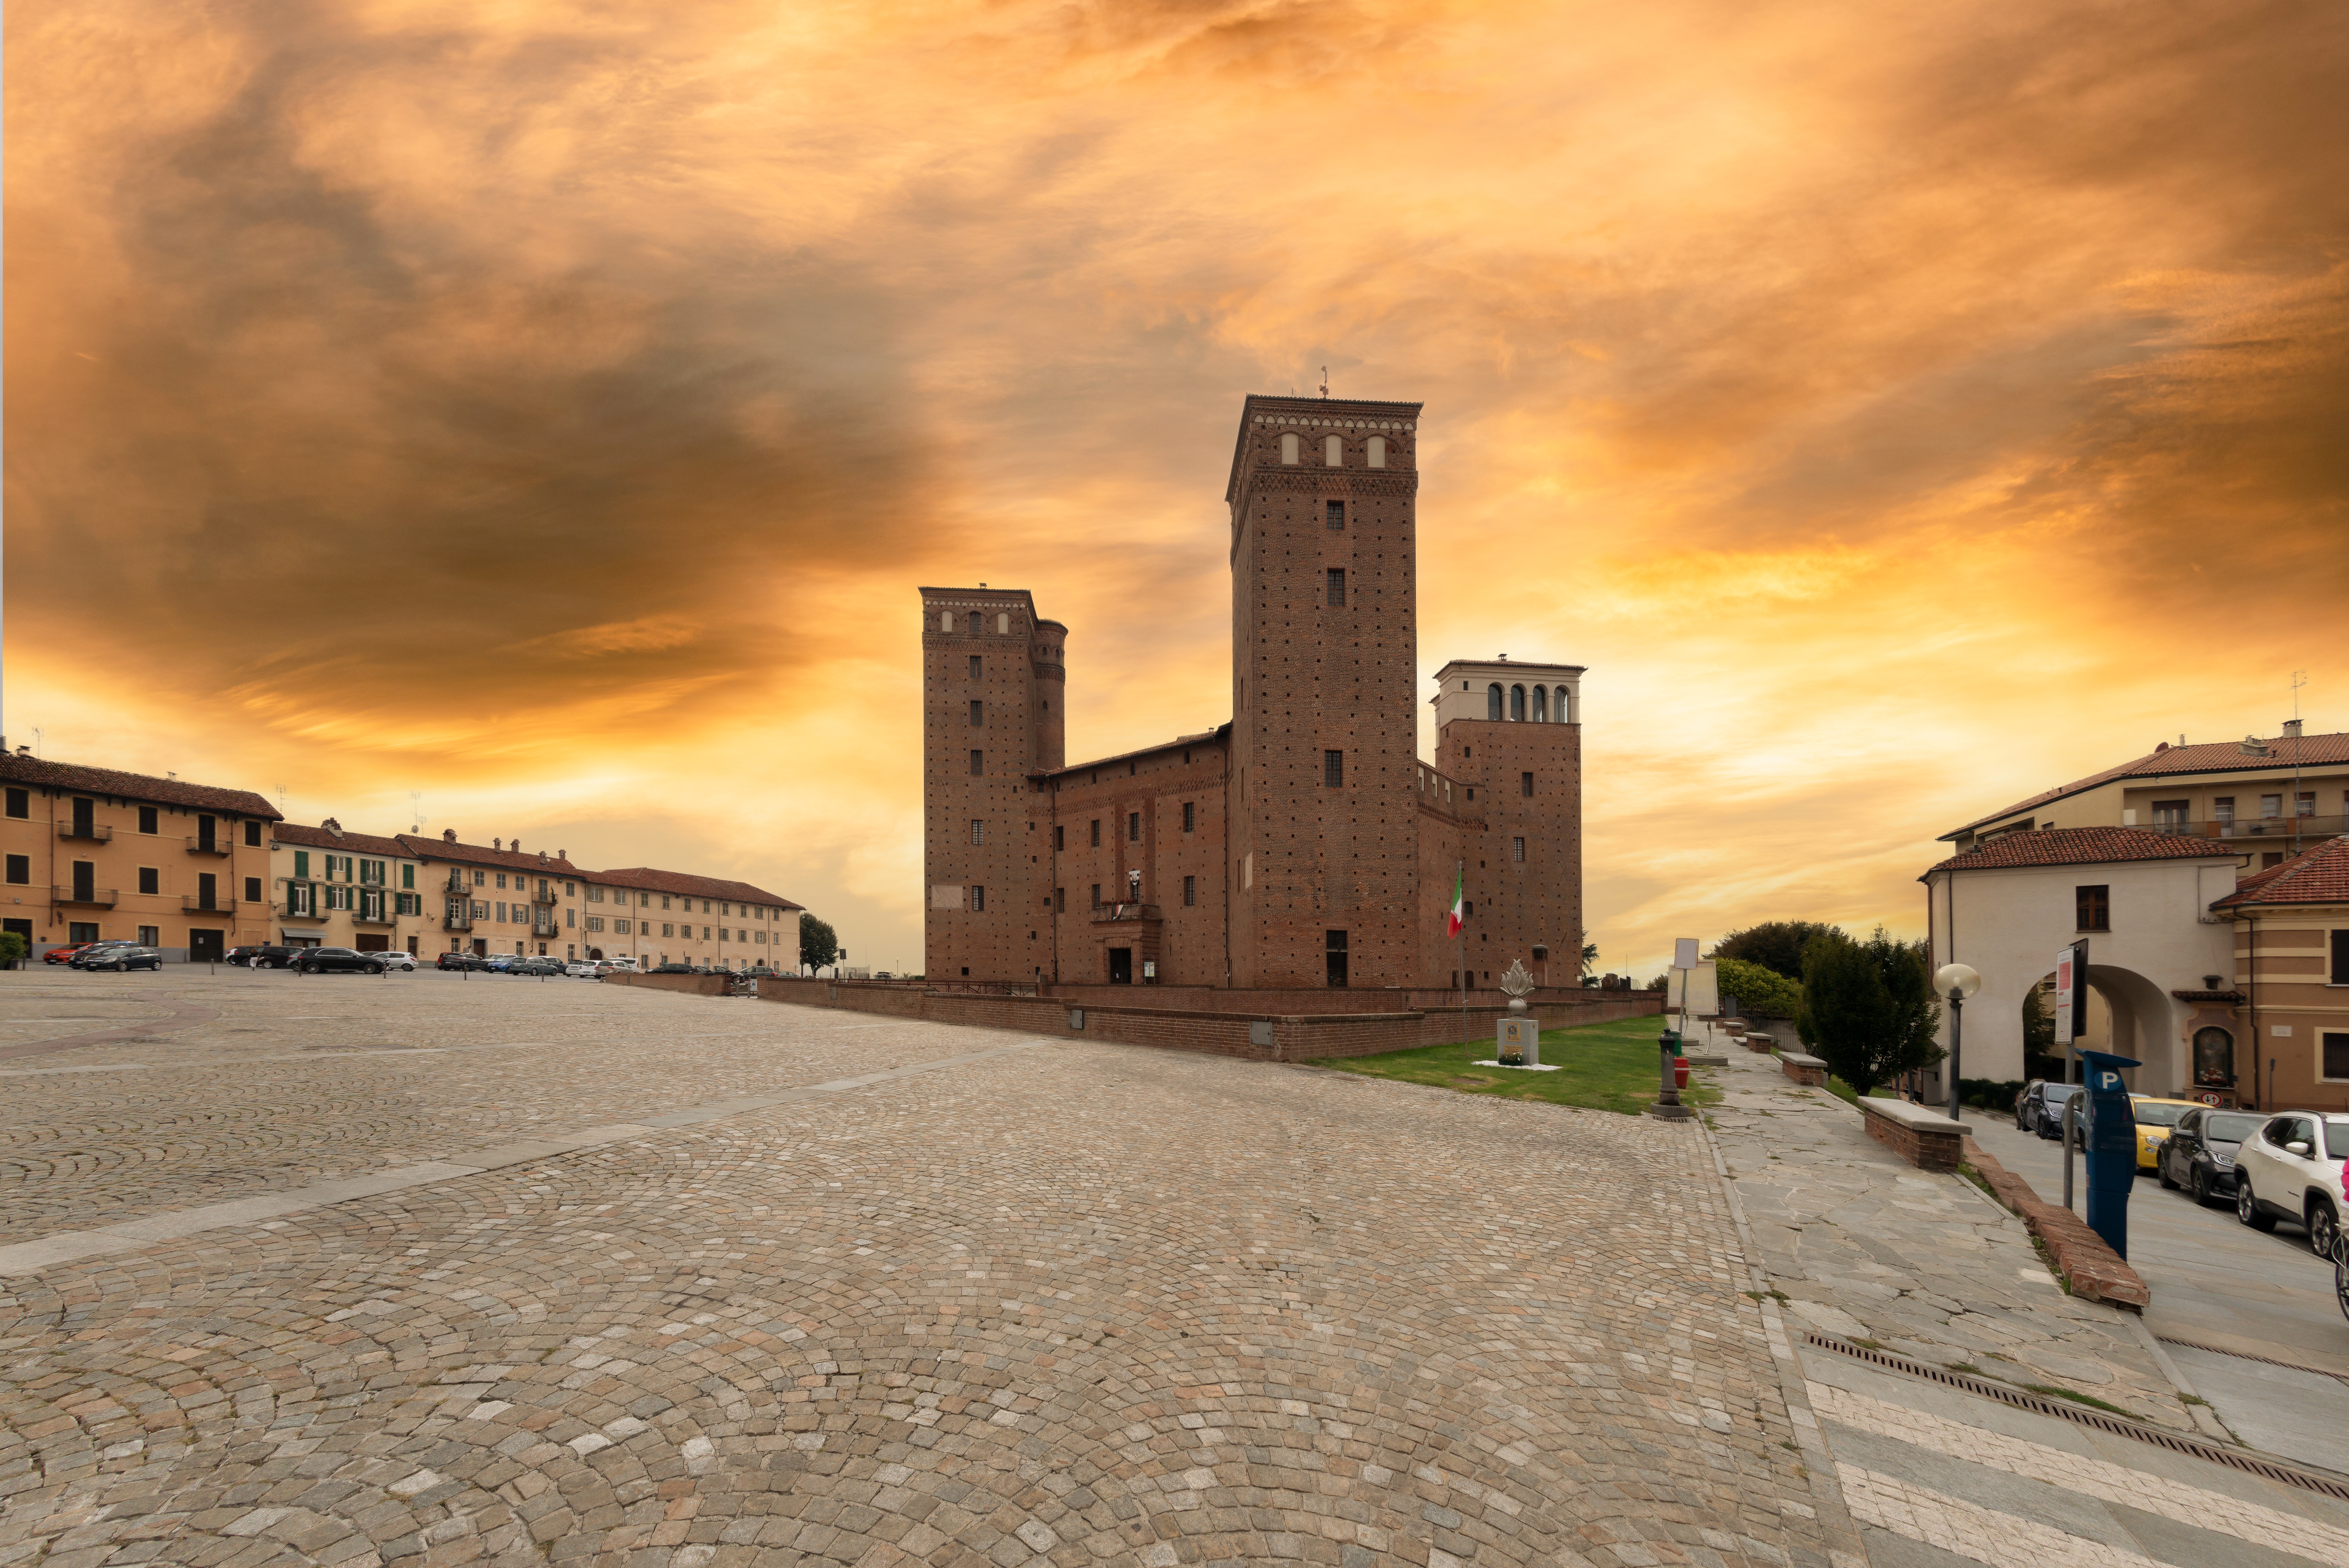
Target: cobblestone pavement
1860 1247
1063 1303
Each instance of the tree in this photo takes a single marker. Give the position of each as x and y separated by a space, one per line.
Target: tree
1775 945
1761 993
12 949
818 943
1590 958
1869 1009
2038 1026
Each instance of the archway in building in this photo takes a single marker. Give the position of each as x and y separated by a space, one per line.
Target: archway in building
2128 1015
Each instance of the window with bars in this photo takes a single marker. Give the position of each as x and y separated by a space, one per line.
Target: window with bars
1526 783
978 760
1336 579
1134 827
1190 815
1096 836
1516 849
1333 769
1336 512
1060 835
977 713
977 830
975 667
1190 891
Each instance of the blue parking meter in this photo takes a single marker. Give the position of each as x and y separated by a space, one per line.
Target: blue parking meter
2112 1147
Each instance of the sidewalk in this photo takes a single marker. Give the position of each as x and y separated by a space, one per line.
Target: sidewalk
1853 1245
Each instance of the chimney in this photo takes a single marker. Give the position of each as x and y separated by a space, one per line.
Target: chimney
2290 729
333 827
448 835
497 843
563 854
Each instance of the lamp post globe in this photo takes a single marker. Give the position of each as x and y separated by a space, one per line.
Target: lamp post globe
1956 982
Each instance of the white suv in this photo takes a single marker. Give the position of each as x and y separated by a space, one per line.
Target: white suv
395 959
2291 1169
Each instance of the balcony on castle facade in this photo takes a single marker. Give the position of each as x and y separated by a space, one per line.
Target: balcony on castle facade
94 833
214 846
86 897
1108 914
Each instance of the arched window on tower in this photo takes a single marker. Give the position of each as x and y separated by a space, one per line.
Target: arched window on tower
1541 704
1289 448
945 620
1565 709
1517 703
1334 452
1492 701
1378 452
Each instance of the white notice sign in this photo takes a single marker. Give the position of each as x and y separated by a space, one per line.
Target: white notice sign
2066 980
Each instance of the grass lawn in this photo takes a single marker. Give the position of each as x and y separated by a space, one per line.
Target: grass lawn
1605 1066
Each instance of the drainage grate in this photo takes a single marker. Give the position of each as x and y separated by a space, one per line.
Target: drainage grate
2246 1355
2082 1416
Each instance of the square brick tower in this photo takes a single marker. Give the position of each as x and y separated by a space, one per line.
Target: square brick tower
1324 855
993 712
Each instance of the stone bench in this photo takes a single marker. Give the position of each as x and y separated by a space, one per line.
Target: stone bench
1760 1043
1925 1138
1804 1070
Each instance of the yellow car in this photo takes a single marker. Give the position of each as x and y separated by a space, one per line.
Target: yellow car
2155 1117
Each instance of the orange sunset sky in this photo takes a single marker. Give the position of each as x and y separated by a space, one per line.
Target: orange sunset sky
550 409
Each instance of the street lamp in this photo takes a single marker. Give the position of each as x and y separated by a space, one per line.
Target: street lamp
1956 982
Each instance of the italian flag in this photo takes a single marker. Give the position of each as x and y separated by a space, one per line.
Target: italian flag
1456 919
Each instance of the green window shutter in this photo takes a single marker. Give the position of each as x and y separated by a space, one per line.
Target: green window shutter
302 864
408 876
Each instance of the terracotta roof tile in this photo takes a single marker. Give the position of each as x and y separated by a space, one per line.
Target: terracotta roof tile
2317 876
477 855
2082 847
2213 757
71 775
341 842
684 883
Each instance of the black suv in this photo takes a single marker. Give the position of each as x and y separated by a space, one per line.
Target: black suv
269 957
2041 1110
2200 1152
337 960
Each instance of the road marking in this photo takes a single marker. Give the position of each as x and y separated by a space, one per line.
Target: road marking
1969 1529
70 1246
2099 1478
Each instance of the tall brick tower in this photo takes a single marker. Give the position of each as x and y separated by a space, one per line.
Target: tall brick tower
1324 850
993 712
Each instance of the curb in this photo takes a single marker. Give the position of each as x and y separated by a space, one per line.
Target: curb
2090 1267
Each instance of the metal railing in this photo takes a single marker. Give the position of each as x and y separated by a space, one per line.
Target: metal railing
457 921
97 897
207 847
384 916
1108 911
96 833
195 904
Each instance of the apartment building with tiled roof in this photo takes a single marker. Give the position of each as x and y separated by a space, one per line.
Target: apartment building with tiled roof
333 888
655 916
496 898
2292 973
95 853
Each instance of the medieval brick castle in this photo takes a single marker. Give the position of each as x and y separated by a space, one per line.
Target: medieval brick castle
1304 844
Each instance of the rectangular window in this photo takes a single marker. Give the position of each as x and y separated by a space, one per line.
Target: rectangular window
252 835
411 903
2271 806
1334 949
146 815
1516 849
2222 809
1335 512
977 713
20 869
1059 836
977 831
301 898
1333 769
2093 907
150 936
302 865
1096 895
1526 784
253 890
2339 945
2336 1064
408 876
2307 803
1060 901
502 912
149 880
1134 827
20 802
1097 839
978 901
571 919
975 667
668 928
1190 815
978 761
595 922
1190 891
481 879
1337 575
620 927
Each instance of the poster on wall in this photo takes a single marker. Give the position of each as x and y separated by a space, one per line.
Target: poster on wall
2071 992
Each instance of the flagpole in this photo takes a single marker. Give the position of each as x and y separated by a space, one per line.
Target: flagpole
1459 893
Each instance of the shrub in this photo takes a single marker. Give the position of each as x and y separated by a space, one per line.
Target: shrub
1869 1010
12 949
1990 1093
1760 992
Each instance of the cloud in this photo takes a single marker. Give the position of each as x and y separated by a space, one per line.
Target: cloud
551 406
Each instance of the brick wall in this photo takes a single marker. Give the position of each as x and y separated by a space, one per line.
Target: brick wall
1138 803
1295 1037
1927 1148
1521 904
692 985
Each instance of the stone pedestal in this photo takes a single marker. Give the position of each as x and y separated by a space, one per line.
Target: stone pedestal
1522 1035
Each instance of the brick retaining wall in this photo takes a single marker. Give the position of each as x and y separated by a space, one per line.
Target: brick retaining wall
1259 1036
1804 1070
2087 1263
693 985
1922 1144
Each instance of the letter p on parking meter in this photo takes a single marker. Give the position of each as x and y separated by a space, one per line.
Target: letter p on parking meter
2112 1147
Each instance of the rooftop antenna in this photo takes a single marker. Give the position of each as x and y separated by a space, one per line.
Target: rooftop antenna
2299 679
36 740
1325 381
416 811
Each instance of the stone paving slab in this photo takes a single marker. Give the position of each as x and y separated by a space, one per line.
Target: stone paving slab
1080 1303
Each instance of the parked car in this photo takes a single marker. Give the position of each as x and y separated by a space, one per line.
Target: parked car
98 953
274 957
2155 1120
579 968
672 969
2291 1169
119 959
527 966
241 956
500 963
459 961
65 955
2042 1110
337 960
2200 1152
395 959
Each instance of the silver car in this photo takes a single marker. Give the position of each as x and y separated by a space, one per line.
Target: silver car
403 961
